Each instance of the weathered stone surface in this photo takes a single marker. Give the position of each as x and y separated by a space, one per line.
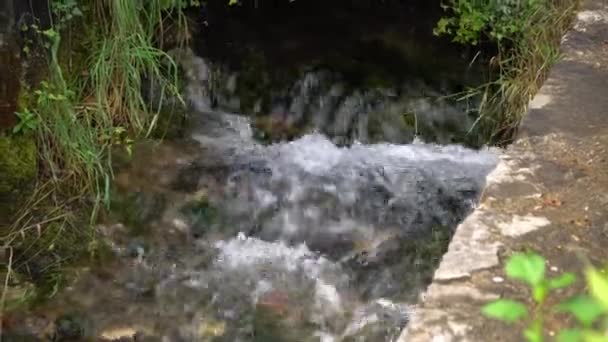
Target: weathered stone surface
546 194
521 225
471 249
439 292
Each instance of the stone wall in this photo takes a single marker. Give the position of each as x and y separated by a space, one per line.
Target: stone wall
548 194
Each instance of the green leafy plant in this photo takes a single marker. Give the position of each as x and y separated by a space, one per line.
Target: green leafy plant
530 268
181 4
590 311
27 122
497 19
87 97
64 11
526 36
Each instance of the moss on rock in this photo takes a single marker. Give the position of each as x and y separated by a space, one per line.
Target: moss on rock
17 171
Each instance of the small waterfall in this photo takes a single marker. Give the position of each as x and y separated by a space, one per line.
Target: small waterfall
324 237
293 241
323 101
329 235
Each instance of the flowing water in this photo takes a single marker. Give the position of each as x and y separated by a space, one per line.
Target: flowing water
225 238
365 71
320 215
294 241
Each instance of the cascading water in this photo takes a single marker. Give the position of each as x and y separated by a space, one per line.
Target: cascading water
323 101
292 241
319 216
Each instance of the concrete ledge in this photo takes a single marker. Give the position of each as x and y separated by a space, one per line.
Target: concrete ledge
548 193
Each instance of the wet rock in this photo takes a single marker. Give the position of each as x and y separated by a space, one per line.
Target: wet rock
72 327
209 329
136 249
379 321
269 325
19 327
137 209
201 215
128 334
275 301
276 128
119 334
187 179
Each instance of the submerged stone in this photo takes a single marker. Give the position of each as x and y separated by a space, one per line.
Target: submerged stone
72 327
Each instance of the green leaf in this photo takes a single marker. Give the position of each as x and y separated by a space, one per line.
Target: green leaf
594 336
528 267
505 310
442 26
18 127
562 281
598 286
570 335
584 308
50 33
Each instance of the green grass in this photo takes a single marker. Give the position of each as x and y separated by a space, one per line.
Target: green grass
521 71
521 65
90 104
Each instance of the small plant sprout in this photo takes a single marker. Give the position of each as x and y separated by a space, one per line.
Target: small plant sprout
590 311
28 122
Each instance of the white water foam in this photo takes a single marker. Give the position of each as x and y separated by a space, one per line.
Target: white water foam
244 254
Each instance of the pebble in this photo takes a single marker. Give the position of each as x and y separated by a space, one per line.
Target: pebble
554 268
118 333
70 327
498 279
180 224
209 329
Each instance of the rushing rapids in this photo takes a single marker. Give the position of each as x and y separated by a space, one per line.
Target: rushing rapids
319 216
292 241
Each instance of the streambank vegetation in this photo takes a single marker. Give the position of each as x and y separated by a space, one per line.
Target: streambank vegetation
91 62
524 36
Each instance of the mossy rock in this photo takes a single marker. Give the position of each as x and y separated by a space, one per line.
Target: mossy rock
172 122
137 209
269 130
202 215
17 171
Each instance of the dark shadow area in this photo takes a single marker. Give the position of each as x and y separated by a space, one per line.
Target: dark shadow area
393 39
